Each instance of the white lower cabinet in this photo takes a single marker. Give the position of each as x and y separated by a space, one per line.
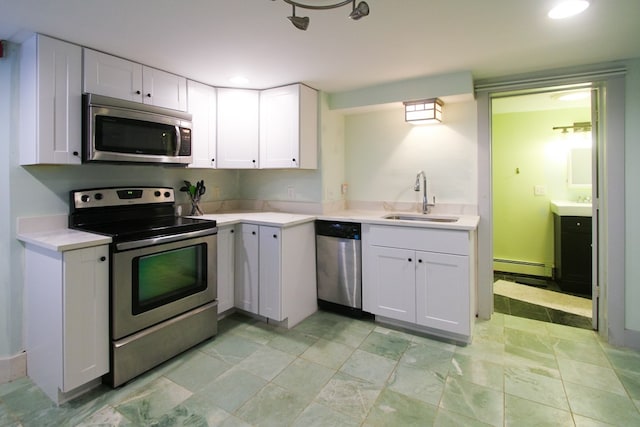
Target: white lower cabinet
67 317
275 271
421 277
246 267
226 268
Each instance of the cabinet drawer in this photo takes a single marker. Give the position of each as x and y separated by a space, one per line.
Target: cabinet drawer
420 239
576 224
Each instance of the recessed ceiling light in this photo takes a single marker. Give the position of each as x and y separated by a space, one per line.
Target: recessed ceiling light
568 8
239 80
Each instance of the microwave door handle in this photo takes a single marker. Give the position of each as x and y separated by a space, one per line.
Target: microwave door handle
178 140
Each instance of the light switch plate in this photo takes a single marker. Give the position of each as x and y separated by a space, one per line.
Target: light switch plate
539 190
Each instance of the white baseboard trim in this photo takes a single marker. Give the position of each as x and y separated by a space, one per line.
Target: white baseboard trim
12 368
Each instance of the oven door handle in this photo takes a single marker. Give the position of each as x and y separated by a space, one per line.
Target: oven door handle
123 246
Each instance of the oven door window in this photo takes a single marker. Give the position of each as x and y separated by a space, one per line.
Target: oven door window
163 277
121 135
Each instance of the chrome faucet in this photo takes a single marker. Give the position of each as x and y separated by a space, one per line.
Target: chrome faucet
416 187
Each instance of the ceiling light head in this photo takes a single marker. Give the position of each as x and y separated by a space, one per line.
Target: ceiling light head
300 22
568 8
424 111
359 11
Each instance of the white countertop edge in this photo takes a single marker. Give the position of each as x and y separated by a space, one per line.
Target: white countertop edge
62 240
279 219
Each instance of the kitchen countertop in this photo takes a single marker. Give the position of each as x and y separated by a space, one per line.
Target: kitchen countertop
52 233
279 219
465 222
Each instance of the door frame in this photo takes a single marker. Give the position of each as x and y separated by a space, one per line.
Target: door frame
610 205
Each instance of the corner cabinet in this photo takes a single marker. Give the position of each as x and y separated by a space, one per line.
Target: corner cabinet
202 107
119 78
67 318
50 102
289 127
275 272
238 113
420 278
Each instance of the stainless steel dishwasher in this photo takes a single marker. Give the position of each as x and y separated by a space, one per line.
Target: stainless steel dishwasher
339 266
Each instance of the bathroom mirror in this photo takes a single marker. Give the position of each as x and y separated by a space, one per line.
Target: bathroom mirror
579 168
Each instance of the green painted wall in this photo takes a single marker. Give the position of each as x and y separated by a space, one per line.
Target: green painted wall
527 152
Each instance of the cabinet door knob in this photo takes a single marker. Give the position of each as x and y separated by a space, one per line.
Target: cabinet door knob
103 258
75 153
420 261
253 232
138 92
275 236
232 231
410 260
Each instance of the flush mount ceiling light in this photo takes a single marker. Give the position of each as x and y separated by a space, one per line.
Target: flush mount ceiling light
302 22
568 8
424 111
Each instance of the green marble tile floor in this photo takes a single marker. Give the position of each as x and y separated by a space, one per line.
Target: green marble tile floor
336 371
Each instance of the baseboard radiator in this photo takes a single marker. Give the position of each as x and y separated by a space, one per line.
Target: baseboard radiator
522 267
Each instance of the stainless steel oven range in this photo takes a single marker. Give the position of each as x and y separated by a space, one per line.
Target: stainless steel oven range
163 286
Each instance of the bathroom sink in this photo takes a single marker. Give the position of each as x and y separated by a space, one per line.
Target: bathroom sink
427 218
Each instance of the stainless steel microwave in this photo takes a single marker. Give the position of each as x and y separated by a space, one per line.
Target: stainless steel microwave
116 130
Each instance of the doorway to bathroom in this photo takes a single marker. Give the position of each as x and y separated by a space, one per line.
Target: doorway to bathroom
543 152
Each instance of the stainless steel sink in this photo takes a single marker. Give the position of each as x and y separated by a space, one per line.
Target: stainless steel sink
427 218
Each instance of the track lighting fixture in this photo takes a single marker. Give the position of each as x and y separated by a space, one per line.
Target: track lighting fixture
302 22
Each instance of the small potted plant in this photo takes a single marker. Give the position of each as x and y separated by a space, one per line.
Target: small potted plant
194 192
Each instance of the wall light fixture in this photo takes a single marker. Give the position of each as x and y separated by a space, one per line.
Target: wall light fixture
424 111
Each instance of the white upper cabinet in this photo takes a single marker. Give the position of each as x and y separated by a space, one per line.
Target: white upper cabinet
238 124
119 78
50 102
289 127
202 106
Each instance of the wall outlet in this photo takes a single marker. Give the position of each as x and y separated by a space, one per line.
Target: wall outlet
343 188
291 192
539 190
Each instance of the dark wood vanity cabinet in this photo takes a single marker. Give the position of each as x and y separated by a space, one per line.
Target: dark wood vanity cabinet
573 256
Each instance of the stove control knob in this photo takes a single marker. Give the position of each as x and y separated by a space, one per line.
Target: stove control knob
167 194
85 198
98 196
156 193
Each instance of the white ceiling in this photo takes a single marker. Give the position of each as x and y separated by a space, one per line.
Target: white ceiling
213 40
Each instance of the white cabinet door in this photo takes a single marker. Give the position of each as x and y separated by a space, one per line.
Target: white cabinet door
119 78
237 127
85 316
112 76
442 292
202 106
247 267
288 127
270 294
164 89
226 267
50 102
390 290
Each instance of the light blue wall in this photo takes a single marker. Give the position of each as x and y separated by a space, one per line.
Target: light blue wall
384 154
632 196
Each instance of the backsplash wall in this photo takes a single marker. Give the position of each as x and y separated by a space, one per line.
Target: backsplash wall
384 154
